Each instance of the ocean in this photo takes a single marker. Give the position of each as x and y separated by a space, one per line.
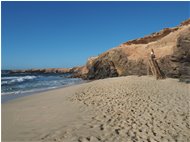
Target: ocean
22 84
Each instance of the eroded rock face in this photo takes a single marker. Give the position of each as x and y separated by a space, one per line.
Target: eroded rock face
186 22
152 37
79 72
116 62
172 46
157 35
109 64
177 65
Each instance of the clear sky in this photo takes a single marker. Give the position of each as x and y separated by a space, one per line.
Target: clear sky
65 34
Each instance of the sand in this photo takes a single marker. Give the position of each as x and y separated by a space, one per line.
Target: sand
122 109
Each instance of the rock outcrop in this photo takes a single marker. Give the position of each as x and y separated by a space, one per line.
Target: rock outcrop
114 63
75 72
171 46
79 72
47 70
177 65
105 65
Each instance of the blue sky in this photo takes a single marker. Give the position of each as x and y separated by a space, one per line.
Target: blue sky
65 34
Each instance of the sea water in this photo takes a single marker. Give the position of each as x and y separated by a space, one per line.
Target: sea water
22 84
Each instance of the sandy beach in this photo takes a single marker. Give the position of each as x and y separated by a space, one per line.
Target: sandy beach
122 109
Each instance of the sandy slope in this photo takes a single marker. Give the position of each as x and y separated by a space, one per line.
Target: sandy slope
114 110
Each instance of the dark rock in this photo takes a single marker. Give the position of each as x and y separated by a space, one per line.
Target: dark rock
177 65
109 64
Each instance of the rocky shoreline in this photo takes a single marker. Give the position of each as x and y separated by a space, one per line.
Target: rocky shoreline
76 72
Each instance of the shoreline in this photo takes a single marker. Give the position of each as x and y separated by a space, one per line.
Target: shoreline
10 97
114 109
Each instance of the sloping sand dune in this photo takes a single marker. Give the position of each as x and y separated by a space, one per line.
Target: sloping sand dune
124 109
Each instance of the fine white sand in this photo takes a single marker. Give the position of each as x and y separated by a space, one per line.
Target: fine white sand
123 109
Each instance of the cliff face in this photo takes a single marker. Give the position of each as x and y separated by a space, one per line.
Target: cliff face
171 47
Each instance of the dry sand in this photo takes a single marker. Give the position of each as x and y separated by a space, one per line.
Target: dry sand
123 109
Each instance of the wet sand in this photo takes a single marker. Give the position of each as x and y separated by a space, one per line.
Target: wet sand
109 110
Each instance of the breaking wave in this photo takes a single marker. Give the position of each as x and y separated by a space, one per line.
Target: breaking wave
11 80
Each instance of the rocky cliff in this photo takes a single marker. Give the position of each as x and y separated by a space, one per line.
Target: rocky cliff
172 50
171 47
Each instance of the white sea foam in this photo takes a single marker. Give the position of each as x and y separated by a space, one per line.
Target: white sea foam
28 91
29 84
10 77
9 80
